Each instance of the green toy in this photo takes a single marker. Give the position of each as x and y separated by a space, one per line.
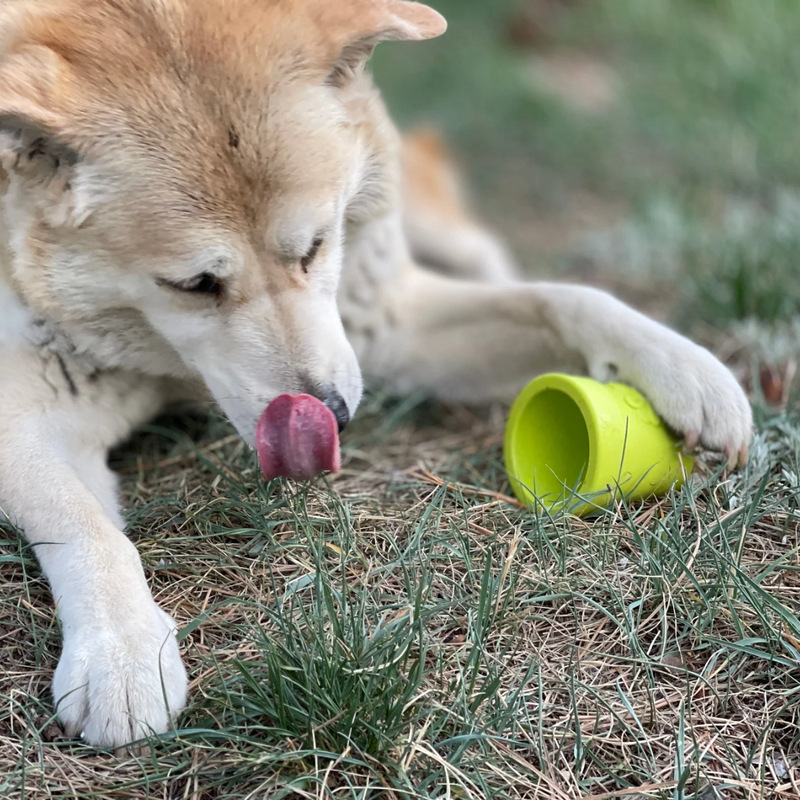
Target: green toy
577 444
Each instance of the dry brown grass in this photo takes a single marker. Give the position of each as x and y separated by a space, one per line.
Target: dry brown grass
649 654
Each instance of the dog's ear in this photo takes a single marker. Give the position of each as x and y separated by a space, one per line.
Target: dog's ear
408 21
35 89
376 21
30 80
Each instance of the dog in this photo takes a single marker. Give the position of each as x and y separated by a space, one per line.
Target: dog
207 199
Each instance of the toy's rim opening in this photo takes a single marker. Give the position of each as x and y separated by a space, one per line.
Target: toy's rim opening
551 450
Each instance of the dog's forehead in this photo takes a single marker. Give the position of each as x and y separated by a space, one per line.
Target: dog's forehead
251 40
220 99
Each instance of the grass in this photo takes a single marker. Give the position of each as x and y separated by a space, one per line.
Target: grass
392 637
403 631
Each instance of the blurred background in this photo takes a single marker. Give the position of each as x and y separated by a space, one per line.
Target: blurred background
648 146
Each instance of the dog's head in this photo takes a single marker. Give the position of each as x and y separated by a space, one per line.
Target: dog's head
179 174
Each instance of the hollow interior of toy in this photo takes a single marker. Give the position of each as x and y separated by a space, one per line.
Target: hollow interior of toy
552 446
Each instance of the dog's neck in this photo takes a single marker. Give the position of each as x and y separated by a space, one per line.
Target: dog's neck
114 340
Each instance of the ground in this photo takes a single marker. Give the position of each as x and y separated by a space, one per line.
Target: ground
406 630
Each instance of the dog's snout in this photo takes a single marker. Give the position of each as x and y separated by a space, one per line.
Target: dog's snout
337 405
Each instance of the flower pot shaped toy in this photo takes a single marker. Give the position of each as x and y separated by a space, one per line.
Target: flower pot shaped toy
578 445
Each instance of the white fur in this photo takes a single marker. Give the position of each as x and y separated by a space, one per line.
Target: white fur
13 316
120 656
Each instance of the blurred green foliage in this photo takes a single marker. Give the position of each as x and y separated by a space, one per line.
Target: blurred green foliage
710 91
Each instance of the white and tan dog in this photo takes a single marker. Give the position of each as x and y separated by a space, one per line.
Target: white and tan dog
188 188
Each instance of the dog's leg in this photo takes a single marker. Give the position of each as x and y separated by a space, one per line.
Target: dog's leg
120 675
442 232
475 342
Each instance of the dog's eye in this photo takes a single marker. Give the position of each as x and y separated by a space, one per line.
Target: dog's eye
205 284
308 259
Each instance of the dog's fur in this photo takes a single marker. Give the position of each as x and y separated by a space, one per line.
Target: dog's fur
168 167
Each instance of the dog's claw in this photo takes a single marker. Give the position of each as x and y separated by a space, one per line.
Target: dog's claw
692 440
744 455
737 459
132 751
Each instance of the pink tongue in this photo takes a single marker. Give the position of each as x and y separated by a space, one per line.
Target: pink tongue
297 437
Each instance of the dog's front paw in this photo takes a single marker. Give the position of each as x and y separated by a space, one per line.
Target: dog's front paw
698 397
119 681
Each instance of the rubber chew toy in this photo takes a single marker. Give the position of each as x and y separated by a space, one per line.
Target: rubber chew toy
577 444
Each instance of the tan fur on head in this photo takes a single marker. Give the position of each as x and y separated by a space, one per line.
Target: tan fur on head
154 146
29 88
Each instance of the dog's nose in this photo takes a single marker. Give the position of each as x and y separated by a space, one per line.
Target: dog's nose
336 403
